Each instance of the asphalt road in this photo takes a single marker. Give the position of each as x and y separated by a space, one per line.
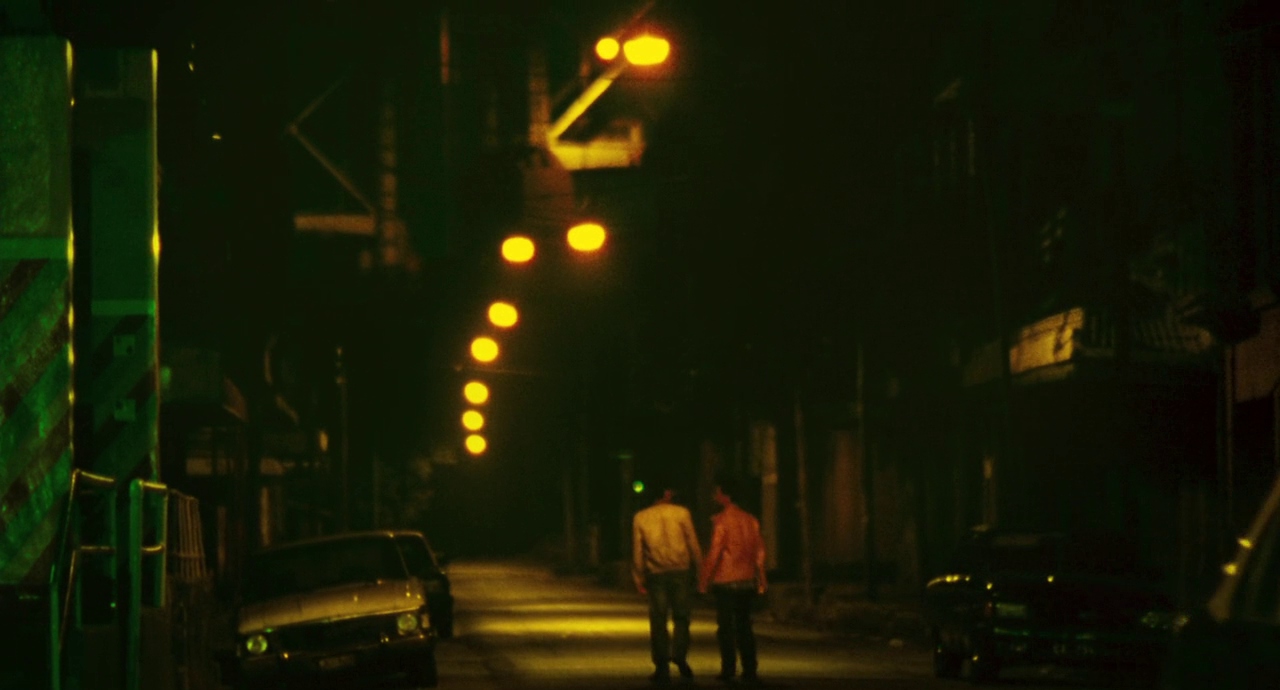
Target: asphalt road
520 626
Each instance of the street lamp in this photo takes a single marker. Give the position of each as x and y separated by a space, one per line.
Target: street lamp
646 49
518 249
472 420
607 48
586 237
475 392
484 349
476 444
503 314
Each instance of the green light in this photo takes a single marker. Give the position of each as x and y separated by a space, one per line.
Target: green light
407 622
637 486
256 644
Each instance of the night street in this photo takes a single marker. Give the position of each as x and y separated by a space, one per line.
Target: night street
953 325
520 626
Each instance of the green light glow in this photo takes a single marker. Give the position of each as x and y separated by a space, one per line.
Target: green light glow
637 486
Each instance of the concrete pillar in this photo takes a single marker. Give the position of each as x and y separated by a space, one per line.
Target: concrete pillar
118 252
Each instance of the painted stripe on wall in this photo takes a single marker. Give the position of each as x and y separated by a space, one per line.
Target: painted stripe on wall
35 292
35 429
124 444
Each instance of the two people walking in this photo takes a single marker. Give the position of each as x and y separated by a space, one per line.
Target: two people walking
666 560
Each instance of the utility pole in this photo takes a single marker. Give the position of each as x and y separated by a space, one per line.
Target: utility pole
802 503
868 478
344 456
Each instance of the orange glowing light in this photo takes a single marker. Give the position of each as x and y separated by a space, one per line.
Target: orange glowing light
586 237
475 392
472 420
476 444
484 349
646 50
518 249
503 315
607 48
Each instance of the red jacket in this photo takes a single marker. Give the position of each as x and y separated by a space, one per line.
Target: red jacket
737 550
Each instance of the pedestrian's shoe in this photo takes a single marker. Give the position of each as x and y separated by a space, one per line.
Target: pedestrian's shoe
686 673
660 677
725 677
750 678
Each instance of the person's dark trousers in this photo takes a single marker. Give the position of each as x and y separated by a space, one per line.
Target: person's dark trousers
670 594
733 626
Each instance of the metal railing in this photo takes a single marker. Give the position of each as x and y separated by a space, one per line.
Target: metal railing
63 603
148 504
144 558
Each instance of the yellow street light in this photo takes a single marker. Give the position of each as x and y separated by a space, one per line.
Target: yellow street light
503 314
476 444
646 49
472 420
517 249
475 392
607 48
484 349
586 237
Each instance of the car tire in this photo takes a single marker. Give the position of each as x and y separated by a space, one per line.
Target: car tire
979 664
426 674
444 628
946 662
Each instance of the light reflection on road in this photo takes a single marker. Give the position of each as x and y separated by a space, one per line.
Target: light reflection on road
520 626
543 626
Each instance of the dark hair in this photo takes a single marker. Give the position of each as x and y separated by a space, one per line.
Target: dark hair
731 487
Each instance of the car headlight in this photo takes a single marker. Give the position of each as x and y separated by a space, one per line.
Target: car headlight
256 644
407 622
1006 609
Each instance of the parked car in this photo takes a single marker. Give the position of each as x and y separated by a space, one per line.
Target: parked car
331 609
1234 640
428 565
1029 598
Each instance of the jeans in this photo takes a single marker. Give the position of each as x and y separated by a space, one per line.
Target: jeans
733 626
670 594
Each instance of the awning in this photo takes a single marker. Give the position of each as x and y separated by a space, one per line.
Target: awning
1051 348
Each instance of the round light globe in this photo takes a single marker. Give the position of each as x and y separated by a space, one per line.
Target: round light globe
607 48
503 314
484 349
476 393
518 249
586 237
476 444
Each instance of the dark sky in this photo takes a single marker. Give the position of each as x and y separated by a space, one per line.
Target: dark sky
753 240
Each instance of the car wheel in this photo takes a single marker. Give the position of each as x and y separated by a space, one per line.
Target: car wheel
443 623
425 675
980 666
946 662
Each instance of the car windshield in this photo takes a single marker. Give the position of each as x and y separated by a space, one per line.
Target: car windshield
1054 553
325 564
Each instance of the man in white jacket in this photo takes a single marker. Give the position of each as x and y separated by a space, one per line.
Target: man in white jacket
664 560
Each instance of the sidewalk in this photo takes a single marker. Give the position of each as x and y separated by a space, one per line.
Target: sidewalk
838 608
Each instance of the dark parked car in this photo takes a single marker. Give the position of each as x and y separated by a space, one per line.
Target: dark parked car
1234 641
331 609
428 565
1027 598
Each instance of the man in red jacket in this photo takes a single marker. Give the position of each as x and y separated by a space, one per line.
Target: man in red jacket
734 567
